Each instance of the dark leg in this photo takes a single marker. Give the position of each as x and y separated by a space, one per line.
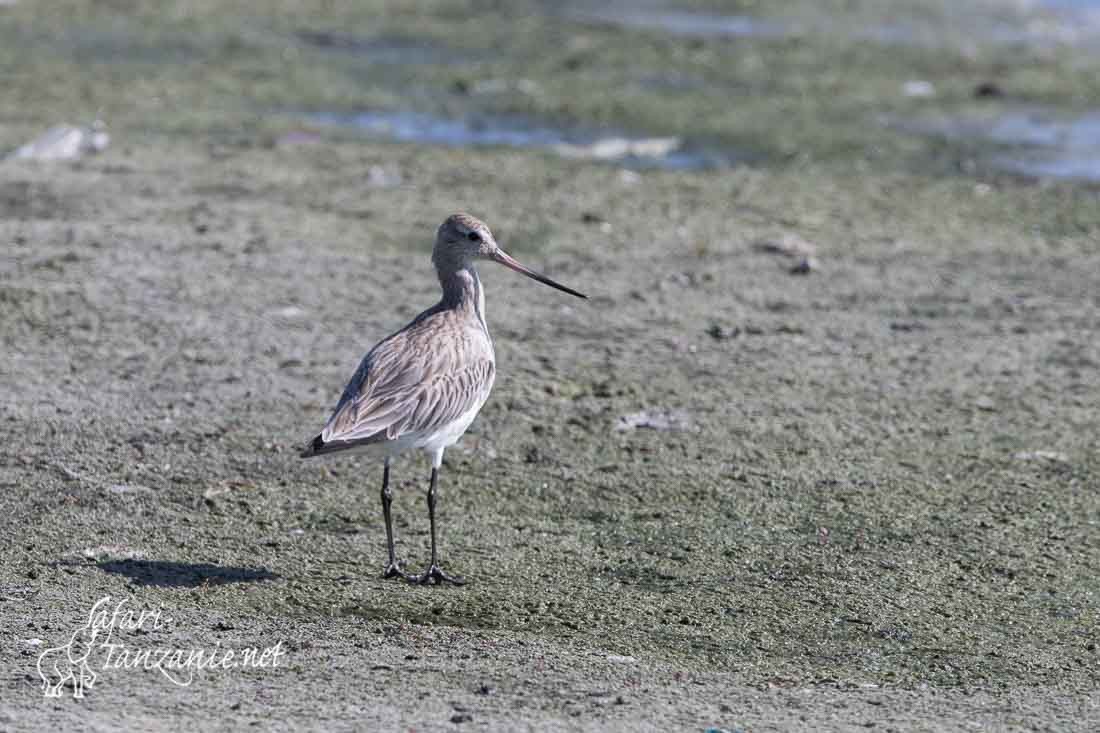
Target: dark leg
434 573
392 570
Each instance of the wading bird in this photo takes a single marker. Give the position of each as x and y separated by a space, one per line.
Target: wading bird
422 386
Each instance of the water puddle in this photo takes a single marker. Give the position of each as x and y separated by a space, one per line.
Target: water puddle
630 151
651 16
1081 5
1041 23
675 21
1030 142
1065 149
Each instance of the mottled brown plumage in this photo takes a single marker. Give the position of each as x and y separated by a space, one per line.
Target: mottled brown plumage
417 380
422 386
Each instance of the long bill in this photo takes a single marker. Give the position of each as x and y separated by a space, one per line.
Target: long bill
508 261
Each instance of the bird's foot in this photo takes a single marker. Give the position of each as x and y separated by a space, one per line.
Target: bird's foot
393 570
435 575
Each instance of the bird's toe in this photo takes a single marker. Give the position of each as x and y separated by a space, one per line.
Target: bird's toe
393 570
435 575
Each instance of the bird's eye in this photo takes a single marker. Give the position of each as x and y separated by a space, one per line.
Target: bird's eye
473 237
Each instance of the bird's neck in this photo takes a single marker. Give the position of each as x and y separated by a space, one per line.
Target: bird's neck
462 291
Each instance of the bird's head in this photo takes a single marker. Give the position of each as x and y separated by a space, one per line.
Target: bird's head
462 238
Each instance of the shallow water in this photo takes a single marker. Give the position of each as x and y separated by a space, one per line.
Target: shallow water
1058 21
1071 4
677 21
628 150
1060 148
1031 142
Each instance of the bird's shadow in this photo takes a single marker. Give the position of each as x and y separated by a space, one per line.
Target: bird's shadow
183 575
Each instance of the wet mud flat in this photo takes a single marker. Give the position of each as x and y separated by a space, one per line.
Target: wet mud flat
819 453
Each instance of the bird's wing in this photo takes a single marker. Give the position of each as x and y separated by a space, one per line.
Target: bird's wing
399 389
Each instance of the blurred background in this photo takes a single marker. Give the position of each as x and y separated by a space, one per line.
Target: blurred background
982 87
819 452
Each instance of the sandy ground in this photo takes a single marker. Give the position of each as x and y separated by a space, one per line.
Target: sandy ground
875 505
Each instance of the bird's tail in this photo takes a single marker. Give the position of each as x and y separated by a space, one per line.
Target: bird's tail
314 447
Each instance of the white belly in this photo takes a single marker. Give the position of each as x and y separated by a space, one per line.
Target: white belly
448 435
434 441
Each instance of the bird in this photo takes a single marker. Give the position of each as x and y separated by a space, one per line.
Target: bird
422 386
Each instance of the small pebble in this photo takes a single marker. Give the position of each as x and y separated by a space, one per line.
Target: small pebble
805 266
1042 455
65 142
918 88
654 420
988 90
786 244
720 333
620 659
985 404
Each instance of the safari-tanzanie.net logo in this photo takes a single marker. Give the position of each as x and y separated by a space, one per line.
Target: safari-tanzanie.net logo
116 637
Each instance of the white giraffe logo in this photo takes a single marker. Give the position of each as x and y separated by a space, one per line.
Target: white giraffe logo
60 664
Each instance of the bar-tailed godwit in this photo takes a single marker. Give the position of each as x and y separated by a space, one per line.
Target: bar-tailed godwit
422 386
